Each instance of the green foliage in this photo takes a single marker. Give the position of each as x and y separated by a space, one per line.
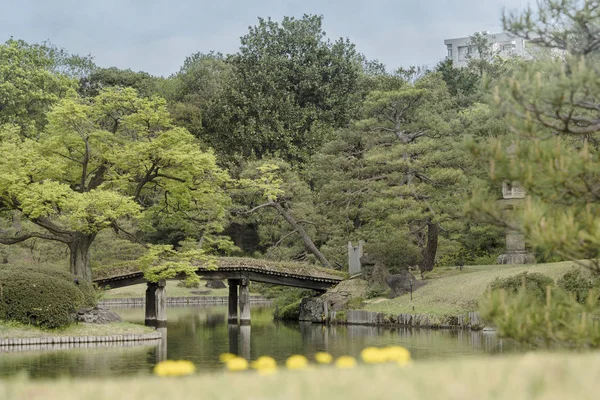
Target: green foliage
290 86
551 107
107 162
290 312
273 180
535 283
45 297
29 85
355 303
554 319
462 83
163 262
396 175
578 285
92 84
374 293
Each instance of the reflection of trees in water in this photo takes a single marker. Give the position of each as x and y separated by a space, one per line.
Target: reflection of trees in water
79 362
201 334
212 320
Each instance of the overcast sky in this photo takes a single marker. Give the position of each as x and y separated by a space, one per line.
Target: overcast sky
156 35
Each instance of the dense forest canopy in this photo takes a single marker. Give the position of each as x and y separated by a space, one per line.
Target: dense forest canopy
297 144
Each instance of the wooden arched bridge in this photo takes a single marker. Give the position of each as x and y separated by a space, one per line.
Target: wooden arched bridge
238 272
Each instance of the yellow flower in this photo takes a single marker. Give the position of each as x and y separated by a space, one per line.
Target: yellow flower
345 362
296 362
265 365
323 358
174 368
398 354
373 355
237 364
226 357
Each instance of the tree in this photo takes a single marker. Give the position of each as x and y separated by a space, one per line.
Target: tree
90 85
462 83
104 160
197 97
552 107
396 176
274 185
290 87
30 83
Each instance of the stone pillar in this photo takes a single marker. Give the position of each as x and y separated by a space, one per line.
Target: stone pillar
156 304
244 302
232 317
233 333
354 255
245 341
161 349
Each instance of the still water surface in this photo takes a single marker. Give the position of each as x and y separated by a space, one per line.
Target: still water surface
200 334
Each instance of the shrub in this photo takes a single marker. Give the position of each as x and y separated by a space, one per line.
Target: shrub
535 283
374 293
291 312
577 285
355 303
555 319
45 297
188 285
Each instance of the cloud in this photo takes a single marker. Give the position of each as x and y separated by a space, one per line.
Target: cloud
157 35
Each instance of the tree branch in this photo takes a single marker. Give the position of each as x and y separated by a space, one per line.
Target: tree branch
22 238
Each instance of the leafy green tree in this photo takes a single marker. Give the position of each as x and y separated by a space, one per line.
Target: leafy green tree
396 177
463 83
552 108
92 84
197 97
281 204
30 84
104 160
290 87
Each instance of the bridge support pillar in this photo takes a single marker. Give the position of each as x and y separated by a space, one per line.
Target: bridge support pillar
244 302
156 304
232 316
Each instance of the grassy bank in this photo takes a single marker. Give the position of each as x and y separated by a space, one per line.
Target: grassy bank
453 292
529 376
172 291
136 291
10 329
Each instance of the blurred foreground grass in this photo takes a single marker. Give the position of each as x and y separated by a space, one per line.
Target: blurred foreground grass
528 376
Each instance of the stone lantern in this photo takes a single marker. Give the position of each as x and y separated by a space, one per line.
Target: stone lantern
516 252
512 198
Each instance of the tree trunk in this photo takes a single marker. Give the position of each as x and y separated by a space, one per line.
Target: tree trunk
80 256
308 243
430 248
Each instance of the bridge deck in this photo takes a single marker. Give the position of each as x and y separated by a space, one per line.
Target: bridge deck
305 276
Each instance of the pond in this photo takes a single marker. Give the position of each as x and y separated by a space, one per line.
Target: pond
201 334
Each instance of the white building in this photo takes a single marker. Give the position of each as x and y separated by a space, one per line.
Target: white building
503 44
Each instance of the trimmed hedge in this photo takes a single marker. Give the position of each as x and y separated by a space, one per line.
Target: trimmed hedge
578 285
535 283
42 296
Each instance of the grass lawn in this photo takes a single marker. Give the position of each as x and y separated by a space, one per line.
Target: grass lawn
172 291
529 376
10 329
453 292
